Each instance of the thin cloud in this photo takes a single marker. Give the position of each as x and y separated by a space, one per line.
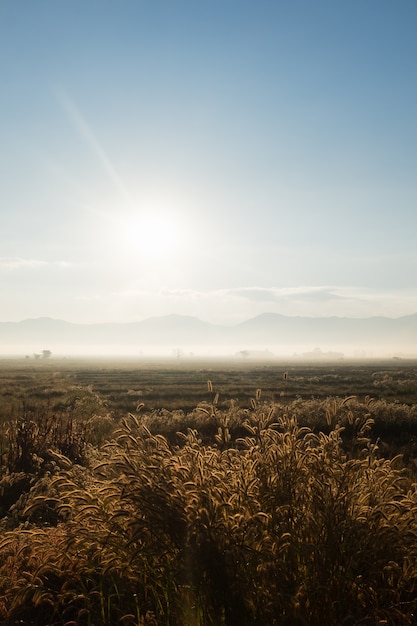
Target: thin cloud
93 303
184 293
321 294
320 301
256 294
273 294
16 263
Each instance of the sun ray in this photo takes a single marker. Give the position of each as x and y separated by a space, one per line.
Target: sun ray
87 134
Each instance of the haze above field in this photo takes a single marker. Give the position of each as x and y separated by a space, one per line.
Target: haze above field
210 159
265 337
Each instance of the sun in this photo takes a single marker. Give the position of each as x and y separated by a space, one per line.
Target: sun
153 236
148 235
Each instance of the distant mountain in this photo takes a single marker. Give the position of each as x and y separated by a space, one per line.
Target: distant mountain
373 331
265 331
167 330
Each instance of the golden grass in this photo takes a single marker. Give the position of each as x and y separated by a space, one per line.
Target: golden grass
269 523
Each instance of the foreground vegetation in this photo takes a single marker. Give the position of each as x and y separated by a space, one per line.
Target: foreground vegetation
273 509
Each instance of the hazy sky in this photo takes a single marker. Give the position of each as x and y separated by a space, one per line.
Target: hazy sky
217 158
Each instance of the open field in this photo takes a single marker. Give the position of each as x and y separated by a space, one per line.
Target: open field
174 384
195 493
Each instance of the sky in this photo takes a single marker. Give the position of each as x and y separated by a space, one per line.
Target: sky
214 158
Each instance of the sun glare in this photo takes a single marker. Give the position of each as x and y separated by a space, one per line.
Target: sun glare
151 236
151 233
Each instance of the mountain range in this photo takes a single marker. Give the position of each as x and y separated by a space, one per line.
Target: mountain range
269 331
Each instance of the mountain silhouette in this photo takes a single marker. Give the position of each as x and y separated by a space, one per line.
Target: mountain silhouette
267 330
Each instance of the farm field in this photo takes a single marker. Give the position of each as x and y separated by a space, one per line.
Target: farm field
173 384
202 492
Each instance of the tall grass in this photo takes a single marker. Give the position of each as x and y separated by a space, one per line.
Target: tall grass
268 522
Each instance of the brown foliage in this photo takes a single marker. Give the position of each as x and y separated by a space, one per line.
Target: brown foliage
281 524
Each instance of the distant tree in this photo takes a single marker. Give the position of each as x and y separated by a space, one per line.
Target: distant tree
46 354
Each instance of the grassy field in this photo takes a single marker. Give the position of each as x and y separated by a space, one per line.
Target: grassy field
181 385
197 493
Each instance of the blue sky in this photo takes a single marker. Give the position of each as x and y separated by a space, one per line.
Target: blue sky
210 158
